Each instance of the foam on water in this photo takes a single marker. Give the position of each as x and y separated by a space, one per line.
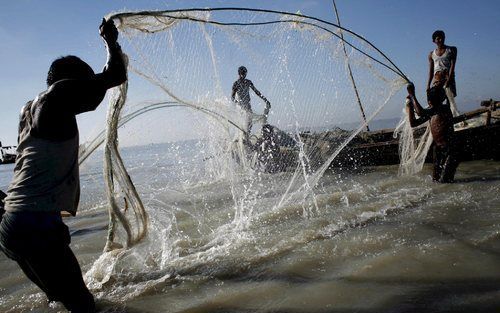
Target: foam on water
369 226
199 232
301 61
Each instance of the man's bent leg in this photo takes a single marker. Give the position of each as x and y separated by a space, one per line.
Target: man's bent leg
449 167
39 243
60 273
31 274
437 160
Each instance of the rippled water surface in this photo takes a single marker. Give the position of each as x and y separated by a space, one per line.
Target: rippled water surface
375 242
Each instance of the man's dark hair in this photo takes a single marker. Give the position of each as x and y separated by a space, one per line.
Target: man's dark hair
438 33
68 67
436 95
242 70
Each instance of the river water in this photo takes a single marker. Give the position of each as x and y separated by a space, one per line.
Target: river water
376 242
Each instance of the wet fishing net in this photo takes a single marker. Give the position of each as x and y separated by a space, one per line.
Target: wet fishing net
323 82
414 145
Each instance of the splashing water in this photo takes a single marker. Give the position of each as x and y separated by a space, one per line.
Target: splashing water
182 65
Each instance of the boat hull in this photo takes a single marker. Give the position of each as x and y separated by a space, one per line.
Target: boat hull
475 143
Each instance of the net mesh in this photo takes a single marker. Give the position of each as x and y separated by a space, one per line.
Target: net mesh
414 145
182 65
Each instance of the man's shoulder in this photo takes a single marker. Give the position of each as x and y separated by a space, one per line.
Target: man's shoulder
42 96
242 82
43 99
27 106
37 102
453 51
50 102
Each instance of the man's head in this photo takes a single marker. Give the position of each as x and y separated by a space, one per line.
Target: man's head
68 67
436 96
438 36
242 71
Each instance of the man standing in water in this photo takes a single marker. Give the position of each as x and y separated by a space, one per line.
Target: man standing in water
46 177
241 89
441 122
442 61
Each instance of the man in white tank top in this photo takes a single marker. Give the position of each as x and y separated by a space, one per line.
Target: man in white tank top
442 62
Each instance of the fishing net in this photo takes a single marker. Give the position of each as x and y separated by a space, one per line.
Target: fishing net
182 65
414 145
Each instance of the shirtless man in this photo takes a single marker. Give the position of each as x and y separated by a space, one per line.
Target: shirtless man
442 62
46 177
241 88
441 122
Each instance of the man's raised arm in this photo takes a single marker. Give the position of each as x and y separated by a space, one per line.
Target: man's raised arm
412 106
115 70
82 95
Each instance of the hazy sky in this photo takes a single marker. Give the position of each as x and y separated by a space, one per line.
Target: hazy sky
33 33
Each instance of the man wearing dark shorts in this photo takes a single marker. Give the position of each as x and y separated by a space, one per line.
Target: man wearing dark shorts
442 62
46 177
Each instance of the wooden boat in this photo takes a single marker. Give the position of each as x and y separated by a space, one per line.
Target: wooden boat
7 154
379 147
473 142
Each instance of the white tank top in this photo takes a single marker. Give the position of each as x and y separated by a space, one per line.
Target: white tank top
442 63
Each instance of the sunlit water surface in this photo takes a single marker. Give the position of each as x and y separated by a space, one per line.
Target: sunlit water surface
375 243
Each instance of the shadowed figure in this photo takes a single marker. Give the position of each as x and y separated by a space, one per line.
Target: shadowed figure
241 95
441 123
46 176
442 61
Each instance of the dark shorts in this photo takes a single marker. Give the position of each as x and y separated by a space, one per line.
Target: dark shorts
445 163
39 243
